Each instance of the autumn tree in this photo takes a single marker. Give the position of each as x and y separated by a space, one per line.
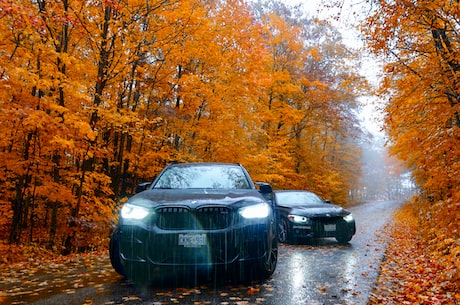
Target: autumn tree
71 121
310 101
419 41
33 81
213 111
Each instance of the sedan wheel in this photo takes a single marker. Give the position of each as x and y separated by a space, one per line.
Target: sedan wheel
342 238
283 231
343 234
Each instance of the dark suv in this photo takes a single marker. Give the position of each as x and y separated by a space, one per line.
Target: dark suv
198 216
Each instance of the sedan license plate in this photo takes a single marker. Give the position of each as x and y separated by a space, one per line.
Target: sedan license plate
192 240
329 228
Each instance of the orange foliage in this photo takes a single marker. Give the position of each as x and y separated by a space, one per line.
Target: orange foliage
422 116
95 99
420 41
421 44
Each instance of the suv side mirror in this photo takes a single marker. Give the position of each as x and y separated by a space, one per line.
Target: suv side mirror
264 188
143 186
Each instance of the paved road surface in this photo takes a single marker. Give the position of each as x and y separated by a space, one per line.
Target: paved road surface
319 273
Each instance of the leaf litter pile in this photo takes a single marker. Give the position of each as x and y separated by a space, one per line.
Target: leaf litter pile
411 273
30 279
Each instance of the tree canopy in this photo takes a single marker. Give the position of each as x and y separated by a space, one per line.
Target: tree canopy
419 41
98 96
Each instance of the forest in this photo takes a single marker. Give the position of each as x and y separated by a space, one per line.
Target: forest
98 96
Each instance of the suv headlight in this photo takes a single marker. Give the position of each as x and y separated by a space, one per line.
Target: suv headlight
130 211
261 210
348 218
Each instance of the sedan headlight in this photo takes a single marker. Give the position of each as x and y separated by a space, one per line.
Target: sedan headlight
298 219
348 218
261 210
130 211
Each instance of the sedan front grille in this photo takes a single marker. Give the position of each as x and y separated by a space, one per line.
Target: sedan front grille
327 220
202 218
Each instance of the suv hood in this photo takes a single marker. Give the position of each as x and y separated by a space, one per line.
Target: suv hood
195 197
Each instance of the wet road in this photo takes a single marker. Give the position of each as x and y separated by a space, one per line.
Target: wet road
319 273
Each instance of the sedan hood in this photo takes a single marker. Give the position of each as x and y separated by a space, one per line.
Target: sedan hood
319 209
195 197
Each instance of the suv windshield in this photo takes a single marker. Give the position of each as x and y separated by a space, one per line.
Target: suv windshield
203 176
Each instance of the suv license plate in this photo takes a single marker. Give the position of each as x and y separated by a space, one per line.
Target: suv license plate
329 228
192 240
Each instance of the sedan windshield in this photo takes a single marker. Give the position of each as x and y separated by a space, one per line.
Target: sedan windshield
297 198
212 177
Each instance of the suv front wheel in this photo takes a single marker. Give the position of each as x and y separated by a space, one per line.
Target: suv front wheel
267 264
114 251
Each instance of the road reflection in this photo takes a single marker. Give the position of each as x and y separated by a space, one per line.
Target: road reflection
298 271
351 266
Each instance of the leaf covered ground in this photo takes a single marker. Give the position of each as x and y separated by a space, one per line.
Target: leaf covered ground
25 278
414 270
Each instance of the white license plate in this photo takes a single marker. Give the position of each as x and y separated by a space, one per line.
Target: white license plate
329 228
192 240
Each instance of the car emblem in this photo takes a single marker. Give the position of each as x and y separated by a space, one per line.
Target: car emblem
194 201
328 215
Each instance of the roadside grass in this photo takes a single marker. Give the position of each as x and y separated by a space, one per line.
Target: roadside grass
416 269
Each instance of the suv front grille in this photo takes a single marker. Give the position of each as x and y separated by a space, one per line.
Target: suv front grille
202 218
